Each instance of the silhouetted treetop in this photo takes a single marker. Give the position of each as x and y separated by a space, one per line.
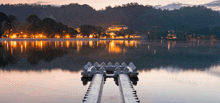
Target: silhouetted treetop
3 17
136 16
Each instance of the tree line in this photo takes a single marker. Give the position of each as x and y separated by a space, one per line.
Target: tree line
48 27
144 19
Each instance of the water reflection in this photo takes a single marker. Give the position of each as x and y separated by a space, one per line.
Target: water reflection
16 53
55 86
38 55
169 71
176 85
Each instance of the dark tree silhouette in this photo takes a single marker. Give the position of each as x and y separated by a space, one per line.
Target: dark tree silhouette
11 24
86 30
52 27
3 17
100 31
35 24
128 32
72 32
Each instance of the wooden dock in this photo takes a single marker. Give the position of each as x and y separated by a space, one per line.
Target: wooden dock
128 93
94 92
99 71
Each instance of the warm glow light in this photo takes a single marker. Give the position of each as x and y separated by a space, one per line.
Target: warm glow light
13 44
90 43
21 48
120 37
57 36
40 36
137 36
25 45
168 45
131 43
126 36
61 43
90 36
25 36
79 36
13 36
103 37
67 36
78 46
7 46
126 43
41 45
67 44
112 34
113 48
121 42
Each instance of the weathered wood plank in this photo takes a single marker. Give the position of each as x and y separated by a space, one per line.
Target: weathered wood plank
94 92
127 91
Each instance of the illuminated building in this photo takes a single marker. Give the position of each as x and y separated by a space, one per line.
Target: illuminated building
115 28
79 36
171 36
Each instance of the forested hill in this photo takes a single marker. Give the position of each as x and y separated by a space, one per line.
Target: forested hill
135 16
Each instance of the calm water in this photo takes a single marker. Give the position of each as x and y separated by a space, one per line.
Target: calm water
50 71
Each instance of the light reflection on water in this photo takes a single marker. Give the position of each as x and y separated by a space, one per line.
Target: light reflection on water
113 46
169 71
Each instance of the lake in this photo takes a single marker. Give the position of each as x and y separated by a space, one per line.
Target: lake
49 71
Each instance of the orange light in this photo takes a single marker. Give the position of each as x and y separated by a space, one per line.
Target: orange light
112 34
67 36
103 37
78 36
41 35
120 37
25 36
57 36
67 44
113 48
90 43
13 44
90 36
13 36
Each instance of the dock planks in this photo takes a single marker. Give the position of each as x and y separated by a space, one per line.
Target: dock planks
122 72
127 91
94 92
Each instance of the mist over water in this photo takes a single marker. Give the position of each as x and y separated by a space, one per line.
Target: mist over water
169 71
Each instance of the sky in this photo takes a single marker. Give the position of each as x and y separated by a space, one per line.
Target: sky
99 4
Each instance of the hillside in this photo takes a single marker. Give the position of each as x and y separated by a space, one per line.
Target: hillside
138 17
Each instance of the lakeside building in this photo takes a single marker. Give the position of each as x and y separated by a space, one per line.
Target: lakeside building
111 31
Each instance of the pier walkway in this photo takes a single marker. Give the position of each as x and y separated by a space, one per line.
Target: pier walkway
98 73
94 92
128 93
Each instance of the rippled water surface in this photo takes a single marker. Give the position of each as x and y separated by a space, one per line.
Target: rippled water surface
49 71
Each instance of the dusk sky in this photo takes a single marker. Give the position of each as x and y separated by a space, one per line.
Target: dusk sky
99 4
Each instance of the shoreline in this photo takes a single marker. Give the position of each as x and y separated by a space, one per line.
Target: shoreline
60 39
